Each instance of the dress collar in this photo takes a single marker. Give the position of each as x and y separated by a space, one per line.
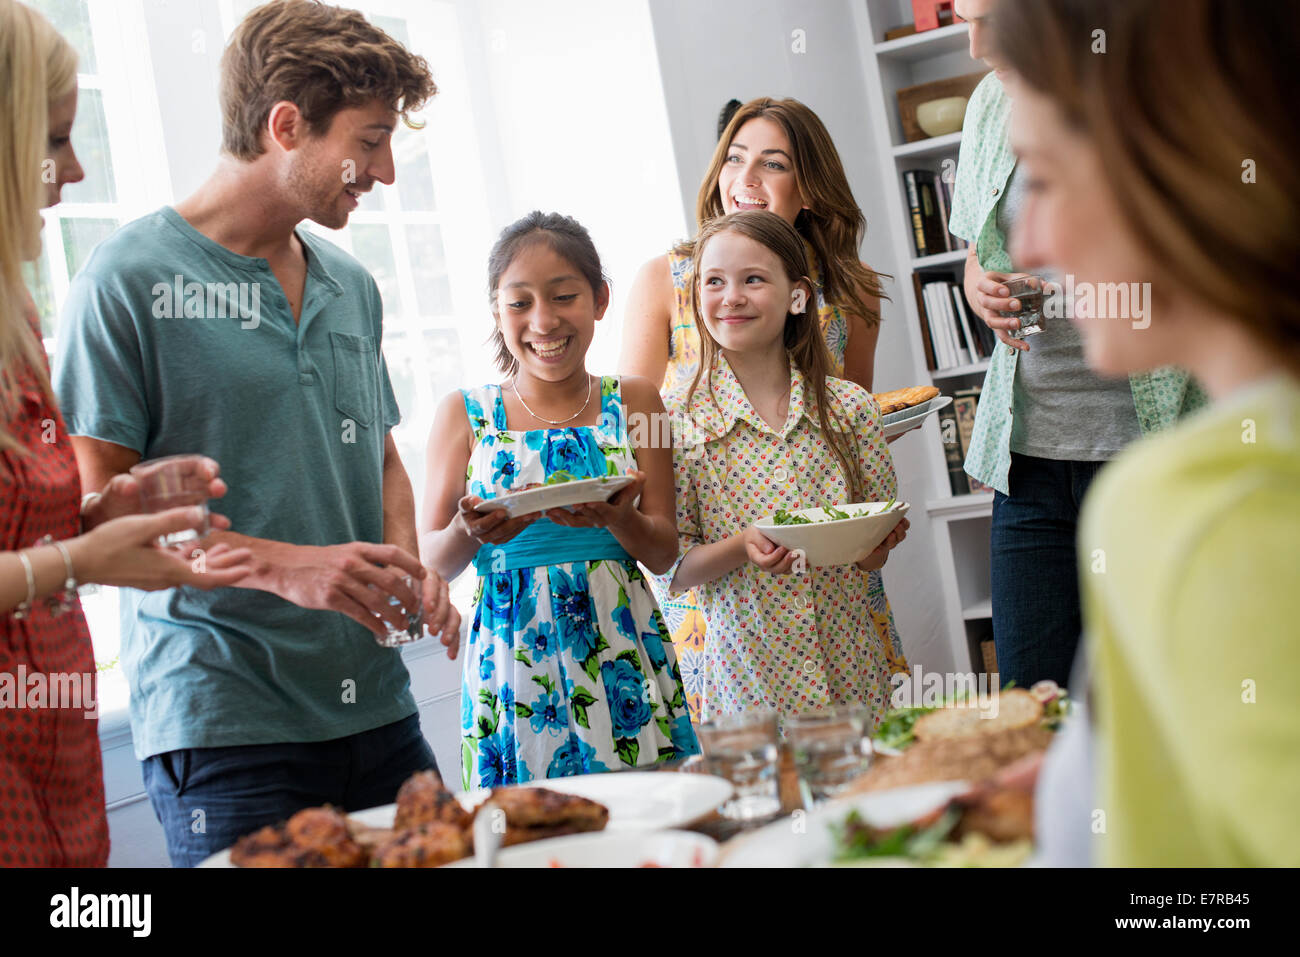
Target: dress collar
717 415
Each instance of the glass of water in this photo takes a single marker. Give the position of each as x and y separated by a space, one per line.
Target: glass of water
831 750
171 482
744 748
414 629
1029 290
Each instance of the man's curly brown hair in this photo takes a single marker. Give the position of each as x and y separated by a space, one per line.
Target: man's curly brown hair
320 58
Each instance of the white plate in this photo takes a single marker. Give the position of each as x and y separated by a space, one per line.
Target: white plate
896 423
611 849
808 842
560 495
841 542
637 801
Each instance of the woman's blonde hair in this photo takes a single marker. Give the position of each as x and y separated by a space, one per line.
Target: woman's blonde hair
37 67
1190 107
833 224
803 337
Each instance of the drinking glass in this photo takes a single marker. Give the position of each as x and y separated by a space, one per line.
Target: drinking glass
831 749
1029 290
171 482
414 629
743 748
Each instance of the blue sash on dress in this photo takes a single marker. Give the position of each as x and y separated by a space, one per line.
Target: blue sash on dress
545 543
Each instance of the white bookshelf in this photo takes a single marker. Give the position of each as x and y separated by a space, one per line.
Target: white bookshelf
960 524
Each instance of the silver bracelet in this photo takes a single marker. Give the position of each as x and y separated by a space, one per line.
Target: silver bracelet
62 601
24 607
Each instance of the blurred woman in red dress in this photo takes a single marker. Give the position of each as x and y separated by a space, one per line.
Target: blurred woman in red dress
51 779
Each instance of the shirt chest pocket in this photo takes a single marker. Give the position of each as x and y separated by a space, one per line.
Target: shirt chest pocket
356 376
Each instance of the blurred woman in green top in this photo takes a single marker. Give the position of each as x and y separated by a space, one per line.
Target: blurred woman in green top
1159 152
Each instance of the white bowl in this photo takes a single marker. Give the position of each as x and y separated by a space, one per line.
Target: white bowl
840 542
942 116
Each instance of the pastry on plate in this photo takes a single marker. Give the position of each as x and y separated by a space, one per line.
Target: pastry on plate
1016 708
900 399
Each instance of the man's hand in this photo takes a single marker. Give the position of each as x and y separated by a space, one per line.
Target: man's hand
767 554
440 615
356 579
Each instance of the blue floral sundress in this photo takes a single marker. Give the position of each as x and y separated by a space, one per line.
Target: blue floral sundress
569 667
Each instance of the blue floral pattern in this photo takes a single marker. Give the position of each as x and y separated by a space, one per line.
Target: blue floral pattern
569 668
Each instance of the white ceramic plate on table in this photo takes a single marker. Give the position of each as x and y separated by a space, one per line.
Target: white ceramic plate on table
637 801
840 542
560 495
812 843
610 849
896 423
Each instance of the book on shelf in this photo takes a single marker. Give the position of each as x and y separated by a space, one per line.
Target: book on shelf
965 403
953 452
956 425
929 200
927 342
951 331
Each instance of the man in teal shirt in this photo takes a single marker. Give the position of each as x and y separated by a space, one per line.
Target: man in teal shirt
217 327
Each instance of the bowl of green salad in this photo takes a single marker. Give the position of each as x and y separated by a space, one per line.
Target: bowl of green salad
836 534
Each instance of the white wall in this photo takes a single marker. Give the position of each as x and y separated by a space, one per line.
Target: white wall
712 52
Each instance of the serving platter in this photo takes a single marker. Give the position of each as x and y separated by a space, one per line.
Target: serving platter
638 802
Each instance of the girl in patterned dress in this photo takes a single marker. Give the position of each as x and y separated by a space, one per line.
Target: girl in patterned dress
569 668
763 426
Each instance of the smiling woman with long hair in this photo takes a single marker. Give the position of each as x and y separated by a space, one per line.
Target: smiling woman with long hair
1162 160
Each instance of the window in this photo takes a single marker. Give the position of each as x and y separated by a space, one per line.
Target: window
519 123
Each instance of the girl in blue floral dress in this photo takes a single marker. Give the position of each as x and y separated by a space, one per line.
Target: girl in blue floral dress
569 668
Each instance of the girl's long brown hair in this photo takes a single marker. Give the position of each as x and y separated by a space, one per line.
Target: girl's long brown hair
1189 107
833 223
803 336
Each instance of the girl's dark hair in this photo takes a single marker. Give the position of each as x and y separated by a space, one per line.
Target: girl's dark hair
803 336
726 113
567 238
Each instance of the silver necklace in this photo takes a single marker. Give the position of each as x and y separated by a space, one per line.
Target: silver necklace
539 418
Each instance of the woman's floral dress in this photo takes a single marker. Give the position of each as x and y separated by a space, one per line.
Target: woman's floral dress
569 668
